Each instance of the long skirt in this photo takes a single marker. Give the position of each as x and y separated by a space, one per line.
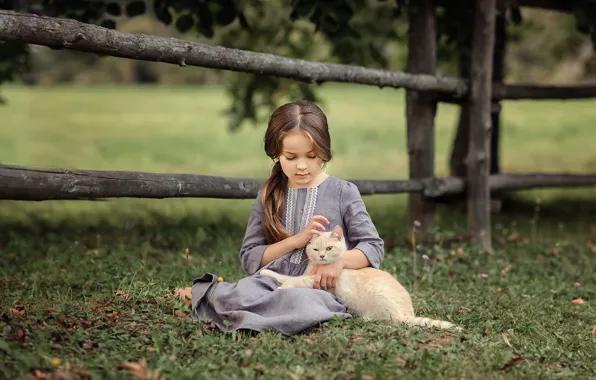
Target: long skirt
256 303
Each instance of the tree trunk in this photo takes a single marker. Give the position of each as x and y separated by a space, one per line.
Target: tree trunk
478 160
420 113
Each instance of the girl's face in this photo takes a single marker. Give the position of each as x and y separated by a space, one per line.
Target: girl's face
298 160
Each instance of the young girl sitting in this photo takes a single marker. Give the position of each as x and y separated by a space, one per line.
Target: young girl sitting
298 201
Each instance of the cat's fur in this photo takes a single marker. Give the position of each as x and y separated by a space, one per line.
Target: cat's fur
368 292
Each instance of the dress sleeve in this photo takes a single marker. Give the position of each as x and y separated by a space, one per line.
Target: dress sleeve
361 233
254 244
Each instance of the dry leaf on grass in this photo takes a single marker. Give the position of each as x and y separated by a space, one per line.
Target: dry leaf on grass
18 310
139 370
512 362
594 331
180 314
38 375
505 271
578 301
506 340
125 296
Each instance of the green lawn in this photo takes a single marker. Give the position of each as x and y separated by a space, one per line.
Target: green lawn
61 263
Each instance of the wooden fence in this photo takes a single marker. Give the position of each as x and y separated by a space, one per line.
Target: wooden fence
423 88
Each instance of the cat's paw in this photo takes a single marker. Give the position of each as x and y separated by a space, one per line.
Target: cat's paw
268 272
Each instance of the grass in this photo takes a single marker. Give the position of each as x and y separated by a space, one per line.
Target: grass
80 281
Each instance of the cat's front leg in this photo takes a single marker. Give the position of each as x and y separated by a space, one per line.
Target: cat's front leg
299 282
279 277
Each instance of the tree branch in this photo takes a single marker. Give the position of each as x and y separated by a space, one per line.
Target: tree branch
60 33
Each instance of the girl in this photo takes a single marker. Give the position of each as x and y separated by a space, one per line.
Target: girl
298 201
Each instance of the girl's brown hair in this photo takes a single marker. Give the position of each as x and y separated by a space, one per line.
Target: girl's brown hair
303 116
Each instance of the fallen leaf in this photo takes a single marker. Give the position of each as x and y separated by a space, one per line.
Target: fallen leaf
594 331
121 293
180 314
578 301
93 252
112 315
38 375
61 375
512 362
505 271
139 370
506 340
19 335
81 372
89 345
17 313
18 310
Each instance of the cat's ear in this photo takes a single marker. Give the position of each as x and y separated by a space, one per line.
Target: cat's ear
337 233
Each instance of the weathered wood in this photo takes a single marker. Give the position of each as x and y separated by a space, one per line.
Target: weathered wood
500 52
420 114
529 92
516 182
39 184
478 160
537 92
70 34
459 147
556 5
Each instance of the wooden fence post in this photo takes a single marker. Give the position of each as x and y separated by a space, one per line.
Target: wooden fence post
478 161
420 114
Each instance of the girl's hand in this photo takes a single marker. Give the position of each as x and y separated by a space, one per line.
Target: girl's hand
326 275
314 227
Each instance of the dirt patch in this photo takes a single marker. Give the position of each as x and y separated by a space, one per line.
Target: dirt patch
437 341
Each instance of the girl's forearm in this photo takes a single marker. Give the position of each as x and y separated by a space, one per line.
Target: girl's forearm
277 250
355 259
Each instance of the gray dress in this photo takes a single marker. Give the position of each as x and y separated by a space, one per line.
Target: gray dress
253 302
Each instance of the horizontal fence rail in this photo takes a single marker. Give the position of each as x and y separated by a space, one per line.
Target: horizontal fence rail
62 33
39 184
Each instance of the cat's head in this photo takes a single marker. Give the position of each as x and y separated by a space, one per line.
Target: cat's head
327 248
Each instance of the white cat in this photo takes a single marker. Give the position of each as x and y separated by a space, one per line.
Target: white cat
368 292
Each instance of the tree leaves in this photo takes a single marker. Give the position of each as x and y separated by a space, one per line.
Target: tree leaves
162 12
110 24
226 14
185 23
114 9
136 8
585 18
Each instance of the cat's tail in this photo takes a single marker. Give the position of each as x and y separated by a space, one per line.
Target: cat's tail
427 322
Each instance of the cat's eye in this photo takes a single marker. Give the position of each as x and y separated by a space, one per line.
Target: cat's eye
329 248
315 249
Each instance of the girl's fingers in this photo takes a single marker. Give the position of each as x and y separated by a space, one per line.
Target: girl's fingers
319 225
320 218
